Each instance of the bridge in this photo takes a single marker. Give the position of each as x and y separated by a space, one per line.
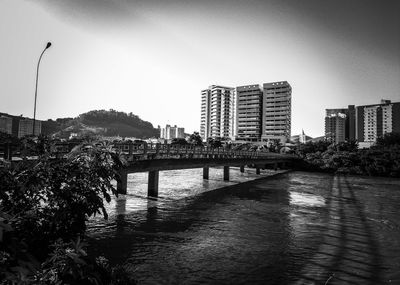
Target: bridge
153 158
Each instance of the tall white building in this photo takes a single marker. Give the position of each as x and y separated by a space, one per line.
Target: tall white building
174 132
217 112
277 111
248 112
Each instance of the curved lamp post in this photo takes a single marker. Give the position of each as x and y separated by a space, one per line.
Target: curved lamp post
37 76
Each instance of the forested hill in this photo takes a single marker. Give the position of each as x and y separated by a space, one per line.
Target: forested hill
118 123
101 122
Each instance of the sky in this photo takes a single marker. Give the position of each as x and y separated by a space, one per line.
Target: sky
153 58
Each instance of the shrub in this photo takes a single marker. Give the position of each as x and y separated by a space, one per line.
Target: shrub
44 204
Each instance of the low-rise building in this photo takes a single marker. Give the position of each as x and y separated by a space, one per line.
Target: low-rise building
6 125
25 128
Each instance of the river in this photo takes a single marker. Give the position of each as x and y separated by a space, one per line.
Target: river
293 228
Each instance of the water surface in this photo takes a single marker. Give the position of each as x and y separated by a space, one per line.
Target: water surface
295 228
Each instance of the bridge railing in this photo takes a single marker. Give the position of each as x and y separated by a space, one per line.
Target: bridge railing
159 151
143 151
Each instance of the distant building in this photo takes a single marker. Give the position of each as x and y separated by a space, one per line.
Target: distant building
374 121
6 125
335 127
217 112
302 138
25 128
318 139
172 132
277 111
249 102
340 124
252 113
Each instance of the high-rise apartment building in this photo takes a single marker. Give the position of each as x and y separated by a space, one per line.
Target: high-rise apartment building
277 111
374 121
6 125
249 100
340 124
217 112
335 127
172 132
25 128
251 113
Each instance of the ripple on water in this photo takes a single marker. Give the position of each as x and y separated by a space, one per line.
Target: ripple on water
306 200
273 231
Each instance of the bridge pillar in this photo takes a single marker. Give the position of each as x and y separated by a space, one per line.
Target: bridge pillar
152 190
206 171
242 168
275 166
258 170
226 173
122 185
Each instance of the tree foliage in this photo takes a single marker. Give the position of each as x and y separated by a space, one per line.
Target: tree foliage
195 139
118 123
313 147
214 142
389 139
44 205
179 141
345 157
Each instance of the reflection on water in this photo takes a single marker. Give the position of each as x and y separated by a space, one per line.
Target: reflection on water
296 228
306 199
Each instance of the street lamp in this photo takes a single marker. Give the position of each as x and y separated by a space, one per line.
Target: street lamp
37 76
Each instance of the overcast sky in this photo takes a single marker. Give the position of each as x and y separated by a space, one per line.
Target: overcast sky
153 58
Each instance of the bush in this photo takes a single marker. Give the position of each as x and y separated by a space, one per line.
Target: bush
389 139
44 204
381 160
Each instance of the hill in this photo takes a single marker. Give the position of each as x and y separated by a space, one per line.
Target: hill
98 122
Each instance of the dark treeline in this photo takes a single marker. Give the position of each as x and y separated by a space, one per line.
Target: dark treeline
382 159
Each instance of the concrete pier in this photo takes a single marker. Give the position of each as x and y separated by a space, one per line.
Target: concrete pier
242 168
152 190
258 170
206 172
226 173
122 185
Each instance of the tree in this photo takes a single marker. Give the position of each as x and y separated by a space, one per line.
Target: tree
313 147
45 204
347 146
7 138
179 141
389 139
214 142
195 139
275 145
